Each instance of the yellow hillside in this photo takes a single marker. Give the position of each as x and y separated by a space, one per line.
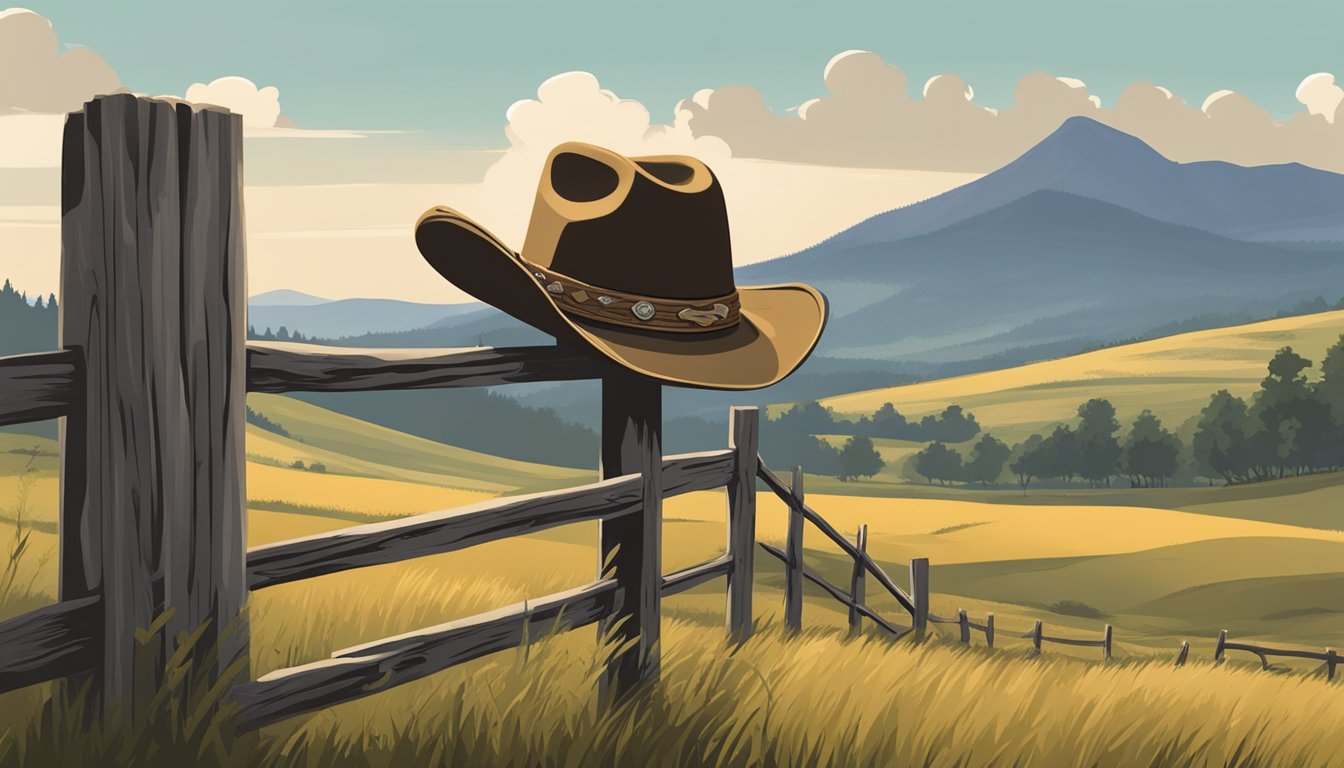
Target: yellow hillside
1173 376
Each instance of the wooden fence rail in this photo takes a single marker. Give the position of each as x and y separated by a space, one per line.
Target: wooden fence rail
1329 657
150 383
1036 634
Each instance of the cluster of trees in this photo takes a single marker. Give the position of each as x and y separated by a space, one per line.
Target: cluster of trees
790 438
262 420
24 326
281 335
953 425
1290 426
945 465
1091 451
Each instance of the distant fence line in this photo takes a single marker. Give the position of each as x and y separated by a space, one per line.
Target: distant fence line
915 602
1329 657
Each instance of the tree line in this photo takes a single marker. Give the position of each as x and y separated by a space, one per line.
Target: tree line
283 334
1289 426
789 439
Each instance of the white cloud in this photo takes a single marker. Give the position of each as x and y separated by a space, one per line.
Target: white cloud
1319 94
36 77
867 119
259 107
574 107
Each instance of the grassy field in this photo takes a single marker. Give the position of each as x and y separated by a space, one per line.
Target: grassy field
1172 376
1162 566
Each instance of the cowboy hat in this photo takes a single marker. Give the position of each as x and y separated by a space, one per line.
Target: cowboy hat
629 258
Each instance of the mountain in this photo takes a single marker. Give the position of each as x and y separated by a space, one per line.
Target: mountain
326 319
1088 238
1270 202
285 297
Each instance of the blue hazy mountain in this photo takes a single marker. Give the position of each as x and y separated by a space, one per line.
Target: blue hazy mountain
285 297
323 318
1088 238
1048 270
1084 157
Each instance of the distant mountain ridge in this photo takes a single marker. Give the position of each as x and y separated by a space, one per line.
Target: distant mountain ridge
1089 237
1087 158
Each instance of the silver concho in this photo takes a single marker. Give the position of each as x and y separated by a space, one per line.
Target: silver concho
605 300
539 276
643 310
555 288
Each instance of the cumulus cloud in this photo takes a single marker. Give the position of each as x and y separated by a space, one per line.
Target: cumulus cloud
259 107
868 119
1319 94
817 201
575 107
35 76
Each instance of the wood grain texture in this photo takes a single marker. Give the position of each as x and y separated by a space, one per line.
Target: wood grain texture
449 530
857 591
55 641
630 548
205 560
825 527
152 301
896 631
687 578
919 595
38 386
744 442
274 369
793 567
367 669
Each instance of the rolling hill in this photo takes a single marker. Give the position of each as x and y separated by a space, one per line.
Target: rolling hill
1172 376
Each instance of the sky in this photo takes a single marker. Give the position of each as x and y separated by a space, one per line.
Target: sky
455 67
360 116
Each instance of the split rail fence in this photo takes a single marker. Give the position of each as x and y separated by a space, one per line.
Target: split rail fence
150 384
915 602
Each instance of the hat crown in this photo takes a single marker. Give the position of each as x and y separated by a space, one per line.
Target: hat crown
654 226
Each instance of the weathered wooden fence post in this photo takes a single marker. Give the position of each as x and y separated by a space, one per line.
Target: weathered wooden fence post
632 545
744 440
989 630
857 585
1106 645
964 624
1331 661
1183 654
919 594
793 547
1218 649
1037 632
154 301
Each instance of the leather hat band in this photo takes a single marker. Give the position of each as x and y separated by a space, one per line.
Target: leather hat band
632 310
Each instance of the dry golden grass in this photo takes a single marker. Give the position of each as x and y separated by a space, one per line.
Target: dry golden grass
1173 376
353 494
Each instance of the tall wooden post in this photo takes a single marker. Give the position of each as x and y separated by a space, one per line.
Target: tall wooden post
743 439
919 595
989 630
964 624
631 545
857 583
793 548
154 300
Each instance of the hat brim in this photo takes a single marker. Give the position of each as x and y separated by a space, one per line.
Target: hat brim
780 325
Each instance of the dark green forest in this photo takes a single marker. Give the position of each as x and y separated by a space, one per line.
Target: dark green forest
1290 426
